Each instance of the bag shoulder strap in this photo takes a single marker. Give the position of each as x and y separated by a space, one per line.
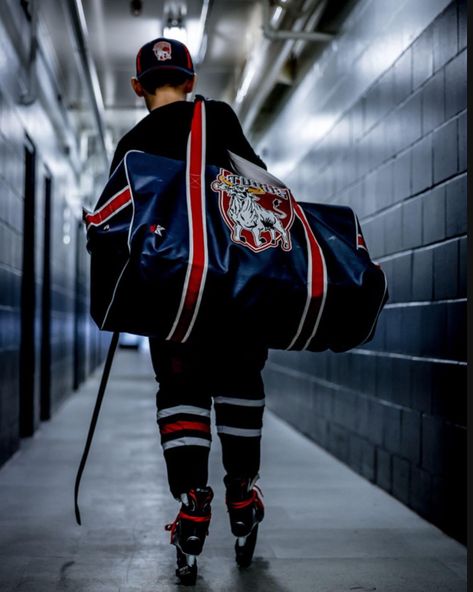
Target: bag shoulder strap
194 282
93 422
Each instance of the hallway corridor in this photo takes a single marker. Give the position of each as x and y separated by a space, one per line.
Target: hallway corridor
327 529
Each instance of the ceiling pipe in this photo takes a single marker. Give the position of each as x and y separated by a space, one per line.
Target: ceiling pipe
79 27
206 6
276 34
31 93
177 13
303 35
310 25
277 53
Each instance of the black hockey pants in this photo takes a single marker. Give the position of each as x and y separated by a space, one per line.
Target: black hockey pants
188 379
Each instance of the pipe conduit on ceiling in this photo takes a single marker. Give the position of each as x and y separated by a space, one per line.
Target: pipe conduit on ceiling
76 13
277 48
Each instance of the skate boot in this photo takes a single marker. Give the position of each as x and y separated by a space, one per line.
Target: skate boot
188 531
246 511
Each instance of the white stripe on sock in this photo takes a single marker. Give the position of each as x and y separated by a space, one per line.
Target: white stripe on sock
239 402
244 432
186 441
183 409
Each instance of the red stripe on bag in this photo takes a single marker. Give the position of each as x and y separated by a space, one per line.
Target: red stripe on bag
116 203
360 242
185 425
197 266
317 284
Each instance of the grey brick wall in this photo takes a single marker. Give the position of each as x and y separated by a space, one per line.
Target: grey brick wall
11 247
15 122
394 410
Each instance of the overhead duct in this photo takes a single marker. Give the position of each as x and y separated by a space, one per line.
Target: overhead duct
275 49
29 96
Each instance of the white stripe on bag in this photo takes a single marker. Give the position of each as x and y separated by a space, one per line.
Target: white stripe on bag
186 442
191 242
322 304
239 402
245 433
183 409
310 263
309 291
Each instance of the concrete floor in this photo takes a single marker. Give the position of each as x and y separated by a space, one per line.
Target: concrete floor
327 529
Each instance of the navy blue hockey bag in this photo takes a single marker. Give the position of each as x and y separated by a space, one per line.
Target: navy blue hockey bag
188 253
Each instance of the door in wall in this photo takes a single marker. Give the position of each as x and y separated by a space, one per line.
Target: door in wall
28 296
45 376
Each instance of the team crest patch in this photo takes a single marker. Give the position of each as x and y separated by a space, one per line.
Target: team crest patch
162 50
259 216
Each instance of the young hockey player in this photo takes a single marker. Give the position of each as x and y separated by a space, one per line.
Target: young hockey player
189 377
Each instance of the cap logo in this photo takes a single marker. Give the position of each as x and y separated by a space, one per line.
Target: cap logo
162 50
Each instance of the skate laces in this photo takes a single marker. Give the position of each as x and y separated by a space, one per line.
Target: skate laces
171 527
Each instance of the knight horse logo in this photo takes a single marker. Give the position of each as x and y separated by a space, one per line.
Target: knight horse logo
259 216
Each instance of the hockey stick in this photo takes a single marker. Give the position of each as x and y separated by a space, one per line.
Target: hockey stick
93 421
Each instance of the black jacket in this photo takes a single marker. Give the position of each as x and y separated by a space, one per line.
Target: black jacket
165 130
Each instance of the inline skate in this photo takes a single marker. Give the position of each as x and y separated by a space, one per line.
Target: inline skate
246 511
188 531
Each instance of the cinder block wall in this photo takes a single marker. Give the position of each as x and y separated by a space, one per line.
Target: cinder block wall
71 331
379 124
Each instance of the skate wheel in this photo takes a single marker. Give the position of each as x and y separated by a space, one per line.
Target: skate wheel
245 547
186 568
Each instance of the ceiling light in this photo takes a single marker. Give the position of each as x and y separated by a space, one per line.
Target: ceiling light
136 7
276 16
250 71
175 29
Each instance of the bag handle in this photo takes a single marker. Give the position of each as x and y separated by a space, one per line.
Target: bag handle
93 422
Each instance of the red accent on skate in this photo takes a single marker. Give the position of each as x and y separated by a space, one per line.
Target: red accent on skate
173 525
194 518
184 425
253 499
242 504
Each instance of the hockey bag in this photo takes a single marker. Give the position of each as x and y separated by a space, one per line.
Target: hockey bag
188 253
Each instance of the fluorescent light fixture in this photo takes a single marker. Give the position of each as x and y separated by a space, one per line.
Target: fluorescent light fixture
175 27
276 16
245 85
190 31
194 38
176 32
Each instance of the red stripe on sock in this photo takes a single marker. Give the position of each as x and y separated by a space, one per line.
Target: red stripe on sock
185 425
